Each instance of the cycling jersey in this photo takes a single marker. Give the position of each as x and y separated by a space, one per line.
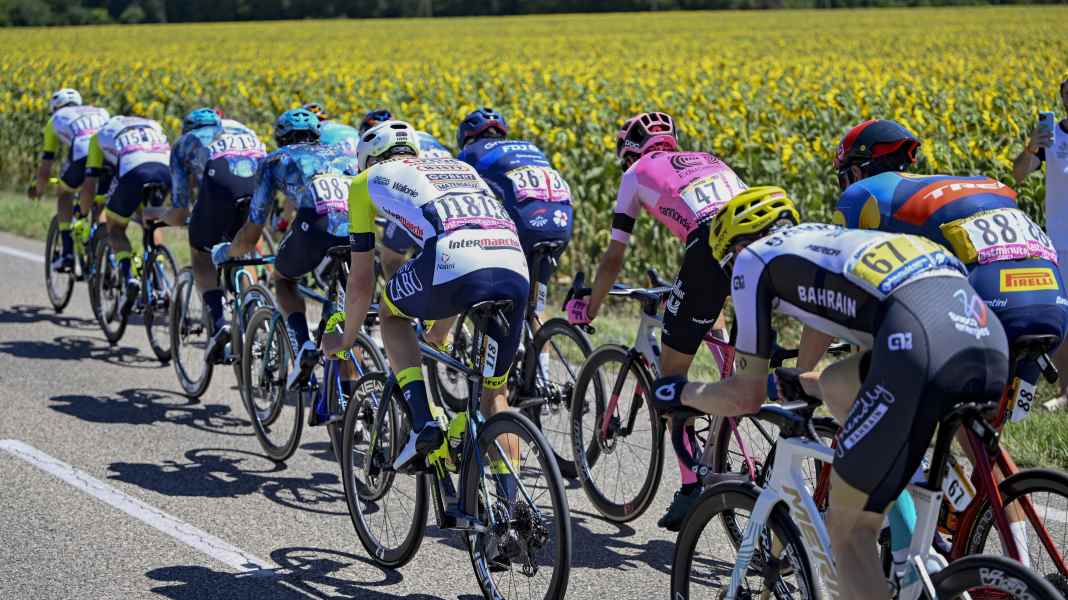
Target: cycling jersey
231 147
516 170
314 177
332 133
834 279
679 189
72 126
127 142
430 147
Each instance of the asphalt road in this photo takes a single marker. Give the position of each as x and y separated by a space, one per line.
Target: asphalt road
146 462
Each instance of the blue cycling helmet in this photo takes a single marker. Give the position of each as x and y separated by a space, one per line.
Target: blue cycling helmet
374 117
201 117
478 122
296 125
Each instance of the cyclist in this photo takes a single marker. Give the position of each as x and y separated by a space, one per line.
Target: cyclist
534 193
1011 262
216 159
683 191
931 343
469 253
70 124
135 153
332 132
315 178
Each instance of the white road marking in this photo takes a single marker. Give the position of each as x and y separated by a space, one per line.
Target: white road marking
37 258
198 539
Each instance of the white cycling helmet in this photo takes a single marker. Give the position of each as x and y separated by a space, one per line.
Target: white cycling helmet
387 138
64 97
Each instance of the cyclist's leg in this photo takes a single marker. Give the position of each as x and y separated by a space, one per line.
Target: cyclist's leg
124 200
70 180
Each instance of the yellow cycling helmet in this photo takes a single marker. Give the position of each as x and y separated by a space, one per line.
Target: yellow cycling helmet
750 213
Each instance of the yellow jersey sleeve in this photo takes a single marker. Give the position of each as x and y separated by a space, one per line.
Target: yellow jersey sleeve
95 159
361 215
52 143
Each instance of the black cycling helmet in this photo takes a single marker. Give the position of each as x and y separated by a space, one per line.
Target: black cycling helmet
478 123
874 147
374 117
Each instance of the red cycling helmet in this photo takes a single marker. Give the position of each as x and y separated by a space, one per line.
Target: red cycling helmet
644 132
874 147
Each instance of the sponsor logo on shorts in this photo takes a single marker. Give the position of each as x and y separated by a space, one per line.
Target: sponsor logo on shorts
1028 280
975 319
870 407
538 222
738 282
1062 300
509 243
901 340
445 263
829 299
406 283
560 218
997 302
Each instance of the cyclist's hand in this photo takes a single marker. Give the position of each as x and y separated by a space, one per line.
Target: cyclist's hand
578 311
333 344
80 228
220 253
1040 138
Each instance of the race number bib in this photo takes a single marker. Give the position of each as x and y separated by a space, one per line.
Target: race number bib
1002 234
462 211
705 196
886 262
331 193
141 139
539 183
236 144
1023 401
957 486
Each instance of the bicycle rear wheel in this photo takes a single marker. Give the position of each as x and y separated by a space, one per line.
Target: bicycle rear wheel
190 327
60 286
525 551
276 413
552 379
106 287
983 577
252 298
388 509
703 563
157 285
619 458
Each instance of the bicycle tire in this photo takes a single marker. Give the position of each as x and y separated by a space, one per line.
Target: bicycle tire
996 575
530 527
278 353
734 497
558 405
157 284
60 286
389 428
250 299
1027 482
185 294
107 286
587 453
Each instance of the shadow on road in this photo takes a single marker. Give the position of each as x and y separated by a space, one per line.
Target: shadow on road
227 473
148 406
70 347
26 314
615 550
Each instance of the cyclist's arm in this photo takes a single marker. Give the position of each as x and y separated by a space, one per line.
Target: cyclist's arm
1032 156
259 211
813 346
741 394
94 167
628 205
180 177
49 149
607 272
360 286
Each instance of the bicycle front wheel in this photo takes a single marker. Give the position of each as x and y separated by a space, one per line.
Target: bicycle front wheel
985 576
60 286
525 550
157 283
190 327
105 294
276 412
617 437
705 558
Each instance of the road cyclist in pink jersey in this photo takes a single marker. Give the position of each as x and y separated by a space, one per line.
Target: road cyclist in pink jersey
683 191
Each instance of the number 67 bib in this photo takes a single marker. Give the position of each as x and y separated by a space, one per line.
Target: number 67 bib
890 260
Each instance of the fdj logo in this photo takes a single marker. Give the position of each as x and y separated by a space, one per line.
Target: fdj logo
900 341
405 284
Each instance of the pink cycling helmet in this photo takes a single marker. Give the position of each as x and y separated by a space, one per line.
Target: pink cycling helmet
645 132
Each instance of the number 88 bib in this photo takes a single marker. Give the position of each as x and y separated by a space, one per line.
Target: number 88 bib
1000 234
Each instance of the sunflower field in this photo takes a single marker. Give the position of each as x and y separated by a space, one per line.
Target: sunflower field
769 91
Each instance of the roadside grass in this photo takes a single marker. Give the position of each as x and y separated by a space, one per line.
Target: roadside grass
1041 440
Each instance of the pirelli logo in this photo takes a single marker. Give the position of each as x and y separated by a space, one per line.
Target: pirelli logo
1028 280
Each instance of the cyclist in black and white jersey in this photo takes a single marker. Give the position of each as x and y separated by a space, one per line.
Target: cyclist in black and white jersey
930 343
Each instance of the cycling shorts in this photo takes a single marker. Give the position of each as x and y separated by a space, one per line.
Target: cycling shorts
73 174
453 273
396 238
1027 296
538 221
305 245
127 192
937 345
217 217
700 291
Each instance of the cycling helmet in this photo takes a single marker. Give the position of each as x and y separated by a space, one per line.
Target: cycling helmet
201 117
874 147
385 140
751 213
374 117
478 122
645 132
296 125
317 109
64 97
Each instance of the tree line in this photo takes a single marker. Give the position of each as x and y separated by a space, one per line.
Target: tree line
92 12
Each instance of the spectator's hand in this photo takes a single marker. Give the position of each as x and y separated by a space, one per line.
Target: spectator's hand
1040 138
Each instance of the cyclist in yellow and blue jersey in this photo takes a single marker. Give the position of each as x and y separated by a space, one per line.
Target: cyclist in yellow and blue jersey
71 125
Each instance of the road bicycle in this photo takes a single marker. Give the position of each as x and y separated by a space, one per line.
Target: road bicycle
156 269
192 328
546 367
60 285
785 551
510 507
268 354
